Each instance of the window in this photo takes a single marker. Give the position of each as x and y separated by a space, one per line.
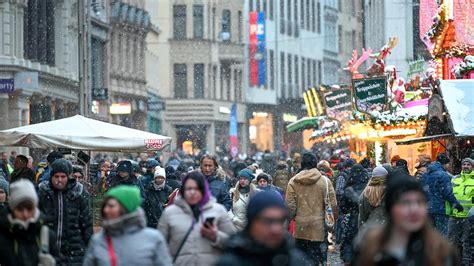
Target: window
180 81
236 87
97 63
226 26
198 81
179 22
198 21
340 39
282 16
250 5
258 5
271 9
315 71
302 14
303 72
319 71
272 69
288 10
295 11
282 75
297 73
308 75
240 22
318 18
39 28
213 23
309 15
264 8
290 69
313 17
214 81
353 39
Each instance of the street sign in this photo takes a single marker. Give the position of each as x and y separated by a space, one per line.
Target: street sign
100 94
338 103
7 85
156 106
370 94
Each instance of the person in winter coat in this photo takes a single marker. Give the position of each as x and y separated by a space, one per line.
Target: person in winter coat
66 207
268 163
407 238
422 166
325 168
282 176
195 226
124 176
53 156
21 170
305 196
125 239
156 197
459 223
340 185
217 183
437 184
171 178
150 172
241 194
350 206
264 182
371 209
264 240
20 230
4 189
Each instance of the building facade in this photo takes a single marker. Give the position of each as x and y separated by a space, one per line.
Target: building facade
128 97
201 53
38 56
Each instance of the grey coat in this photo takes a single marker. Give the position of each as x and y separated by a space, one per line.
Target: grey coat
132 241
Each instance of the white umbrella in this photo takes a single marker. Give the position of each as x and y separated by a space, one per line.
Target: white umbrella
81 133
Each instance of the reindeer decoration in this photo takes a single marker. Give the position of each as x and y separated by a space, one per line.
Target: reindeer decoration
354 64
378 68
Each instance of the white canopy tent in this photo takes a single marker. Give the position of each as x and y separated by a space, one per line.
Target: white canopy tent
81 133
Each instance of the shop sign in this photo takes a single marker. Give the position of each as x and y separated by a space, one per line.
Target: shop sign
156 105
370 94
100 94
7 85
120 109
416 67
26 80
338 103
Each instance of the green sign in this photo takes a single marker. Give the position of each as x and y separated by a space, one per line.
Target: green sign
416 67
370 94
338 103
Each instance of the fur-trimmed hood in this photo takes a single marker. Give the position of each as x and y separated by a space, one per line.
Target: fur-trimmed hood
236 192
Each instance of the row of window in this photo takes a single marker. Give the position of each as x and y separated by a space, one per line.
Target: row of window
225 34
229 87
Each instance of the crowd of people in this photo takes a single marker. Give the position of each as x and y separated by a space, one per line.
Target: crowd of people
208 211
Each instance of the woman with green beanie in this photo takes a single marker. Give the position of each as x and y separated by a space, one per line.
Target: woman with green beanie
125 239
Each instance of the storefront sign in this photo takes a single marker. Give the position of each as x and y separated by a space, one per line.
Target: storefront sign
416 67
370 94
257 48
100 94
120 109
7 85
338 103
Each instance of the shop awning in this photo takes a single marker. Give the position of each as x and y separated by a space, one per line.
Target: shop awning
459 101
304 123
423 139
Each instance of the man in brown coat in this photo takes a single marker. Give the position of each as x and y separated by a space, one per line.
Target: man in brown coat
305 195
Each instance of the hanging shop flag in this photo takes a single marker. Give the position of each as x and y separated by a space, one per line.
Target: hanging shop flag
233 133
338 103
313 102
370 94
257 48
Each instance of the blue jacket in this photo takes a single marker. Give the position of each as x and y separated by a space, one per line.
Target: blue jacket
219 189
437 185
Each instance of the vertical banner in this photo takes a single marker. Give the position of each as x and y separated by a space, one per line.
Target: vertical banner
257 49
233 134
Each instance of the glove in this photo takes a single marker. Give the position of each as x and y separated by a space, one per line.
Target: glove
46 259
458 207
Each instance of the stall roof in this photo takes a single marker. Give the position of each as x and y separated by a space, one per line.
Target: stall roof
423 139
458 96
303 123
81 133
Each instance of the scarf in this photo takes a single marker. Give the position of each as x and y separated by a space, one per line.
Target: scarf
125 223
24 224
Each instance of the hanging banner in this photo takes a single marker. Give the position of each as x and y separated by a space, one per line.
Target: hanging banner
233 132
370 94
257 49
338 103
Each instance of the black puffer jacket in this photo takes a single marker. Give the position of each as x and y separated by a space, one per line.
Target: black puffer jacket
242 250
155 200
20 246
68 213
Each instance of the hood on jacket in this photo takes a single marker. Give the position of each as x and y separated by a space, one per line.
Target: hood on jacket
73 188
307 177
235 191
219 174
435 166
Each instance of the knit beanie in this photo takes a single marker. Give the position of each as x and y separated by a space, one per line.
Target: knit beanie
21 191
61 166
398 186
125 166
4 185
53 156
349 163
264 176
128 196
160 171
468 160
379 171
247 173
261 201
309 161
442 158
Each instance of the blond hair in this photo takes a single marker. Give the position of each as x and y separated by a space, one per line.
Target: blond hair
375 191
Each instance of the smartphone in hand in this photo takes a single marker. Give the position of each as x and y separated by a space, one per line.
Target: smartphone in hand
209 221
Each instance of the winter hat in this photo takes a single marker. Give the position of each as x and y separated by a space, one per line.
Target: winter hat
128 196
365 162
247 173
159 171
152 163
125 166
349 163
261 201
395 158
379 171
442 158
21 191
53 156
468 160
4 185
61 166
265 176
308 161
323 164
398 186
